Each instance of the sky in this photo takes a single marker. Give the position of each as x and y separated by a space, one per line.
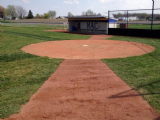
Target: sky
76 7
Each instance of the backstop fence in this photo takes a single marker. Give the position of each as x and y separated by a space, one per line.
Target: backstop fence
139 22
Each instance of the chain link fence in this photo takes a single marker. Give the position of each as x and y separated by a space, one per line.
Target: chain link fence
137 19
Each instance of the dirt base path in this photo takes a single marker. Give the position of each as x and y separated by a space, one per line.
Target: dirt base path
85 90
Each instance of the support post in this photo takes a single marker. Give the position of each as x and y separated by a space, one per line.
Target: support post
92 27
64 25
152 15
127 18
98 26
108 20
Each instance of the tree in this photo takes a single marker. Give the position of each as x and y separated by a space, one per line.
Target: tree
70 14
20 12
30 15
46 16
37 16
41 16
52 14
11 11
88 13
83 13
2 12
142 15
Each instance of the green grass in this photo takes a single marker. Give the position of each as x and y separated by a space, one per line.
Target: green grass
12 39
143 26
142 72
5 21
22 74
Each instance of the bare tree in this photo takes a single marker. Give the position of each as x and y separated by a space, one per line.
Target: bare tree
70 14
83 13
89 13
37 16
11 11
2 12
52 13
21 12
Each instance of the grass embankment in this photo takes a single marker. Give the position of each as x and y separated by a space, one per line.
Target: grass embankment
22 74
142 72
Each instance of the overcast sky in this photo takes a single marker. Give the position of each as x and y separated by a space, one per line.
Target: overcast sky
62 7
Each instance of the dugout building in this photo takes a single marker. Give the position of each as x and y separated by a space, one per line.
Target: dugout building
91 24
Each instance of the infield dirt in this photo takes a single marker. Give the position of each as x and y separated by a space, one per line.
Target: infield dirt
85 90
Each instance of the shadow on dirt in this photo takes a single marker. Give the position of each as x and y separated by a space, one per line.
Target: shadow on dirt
157 118
131 93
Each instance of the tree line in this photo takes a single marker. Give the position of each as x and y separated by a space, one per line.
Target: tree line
84 13
19 12
14 12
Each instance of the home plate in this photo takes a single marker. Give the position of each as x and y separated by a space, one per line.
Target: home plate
85 45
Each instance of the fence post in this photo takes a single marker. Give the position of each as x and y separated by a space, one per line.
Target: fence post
152 15
98 27
64 25
127 18
108 20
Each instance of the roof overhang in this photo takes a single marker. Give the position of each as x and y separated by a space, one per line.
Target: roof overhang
87 18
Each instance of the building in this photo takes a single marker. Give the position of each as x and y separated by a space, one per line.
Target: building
60 17
91 24
129 18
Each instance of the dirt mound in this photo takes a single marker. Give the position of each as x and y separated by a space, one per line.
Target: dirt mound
88 49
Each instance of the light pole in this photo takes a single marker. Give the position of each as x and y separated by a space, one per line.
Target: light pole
152 15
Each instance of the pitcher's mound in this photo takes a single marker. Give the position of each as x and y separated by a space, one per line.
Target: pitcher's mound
88 49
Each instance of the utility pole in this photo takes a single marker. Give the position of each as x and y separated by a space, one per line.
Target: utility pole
152 15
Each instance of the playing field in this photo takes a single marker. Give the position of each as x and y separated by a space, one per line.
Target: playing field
23 74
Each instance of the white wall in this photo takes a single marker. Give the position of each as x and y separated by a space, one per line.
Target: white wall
101 27
112 25
94 25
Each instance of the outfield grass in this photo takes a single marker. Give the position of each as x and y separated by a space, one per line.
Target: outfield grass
22 74
142 72
143 26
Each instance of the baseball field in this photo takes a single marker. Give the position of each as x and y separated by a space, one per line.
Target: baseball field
22 73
